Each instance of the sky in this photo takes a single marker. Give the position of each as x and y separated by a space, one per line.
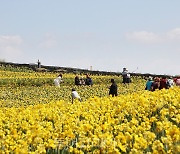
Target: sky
141 35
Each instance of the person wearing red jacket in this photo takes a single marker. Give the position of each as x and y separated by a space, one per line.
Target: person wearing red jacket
163 83
156 84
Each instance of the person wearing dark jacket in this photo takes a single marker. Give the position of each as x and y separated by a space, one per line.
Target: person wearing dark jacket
163 83
113 88
88 80
77 80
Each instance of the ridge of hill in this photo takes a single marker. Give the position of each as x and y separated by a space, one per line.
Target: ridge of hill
44 68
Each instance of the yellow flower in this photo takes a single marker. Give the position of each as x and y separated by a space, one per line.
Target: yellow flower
41 149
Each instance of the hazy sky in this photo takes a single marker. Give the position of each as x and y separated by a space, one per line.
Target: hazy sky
142 35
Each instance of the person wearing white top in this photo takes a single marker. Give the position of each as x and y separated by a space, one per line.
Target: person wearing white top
170 82
75 95
126 76
58 80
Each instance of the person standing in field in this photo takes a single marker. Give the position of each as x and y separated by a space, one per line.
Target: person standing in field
58 80
156 84
75 95
39 64
149 84
77 80
163 83
88 80
126 76
113 88
177 81
170 82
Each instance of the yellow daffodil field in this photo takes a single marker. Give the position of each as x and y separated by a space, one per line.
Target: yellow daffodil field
37 117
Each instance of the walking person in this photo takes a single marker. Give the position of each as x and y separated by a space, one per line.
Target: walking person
113 88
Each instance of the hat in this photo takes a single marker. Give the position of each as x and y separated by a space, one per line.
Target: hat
150 78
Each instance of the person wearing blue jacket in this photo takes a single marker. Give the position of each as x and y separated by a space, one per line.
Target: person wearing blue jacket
149 84
88 80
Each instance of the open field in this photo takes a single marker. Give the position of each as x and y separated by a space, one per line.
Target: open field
37 117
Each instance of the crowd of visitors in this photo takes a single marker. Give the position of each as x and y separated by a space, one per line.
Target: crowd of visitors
81 81
152 84
161 83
